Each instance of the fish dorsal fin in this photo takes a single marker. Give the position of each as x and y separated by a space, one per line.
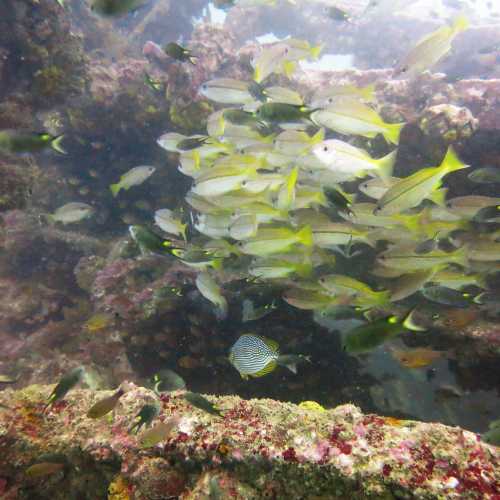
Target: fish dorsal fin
267 369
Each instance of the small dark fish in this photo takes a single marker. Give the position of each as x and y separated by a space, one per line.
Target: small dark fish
339 201
17 141
104 406
252 313
291 361
239 117
281 112
152 82
257 91
337 14
364 338
447 296
492 436
202 403
485 175
427 245
191 143
44 469
148 241
115 7
67 382
145 416
445 392
179 53
488 215
167 381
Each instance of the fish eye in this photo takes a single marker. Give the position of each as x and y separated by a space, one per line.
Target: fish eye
325 148
286 50
330 100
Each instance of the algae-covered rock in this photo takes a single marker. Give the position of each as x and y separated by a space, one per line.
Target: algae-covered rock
258 448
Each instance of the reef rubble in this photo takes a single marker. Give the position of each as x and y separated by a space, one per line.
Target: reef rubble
257 449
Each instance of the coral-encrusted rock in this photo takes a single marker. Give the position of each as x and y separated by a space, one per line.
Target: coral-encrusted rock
258 449
451 123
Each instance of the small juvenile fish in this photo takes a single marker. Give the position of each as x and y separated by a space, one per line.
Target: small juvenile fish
149 242
98 322
160 432
44 469
166 221
145 416
431 49
152 83
447 296
190 143
337 14
212 292
485 175
339 200
71 212
416 358
252 313
279 112
167 380
367 337
115 7
18 141
179 53
202 403
65 384
134 177
7 379
105 405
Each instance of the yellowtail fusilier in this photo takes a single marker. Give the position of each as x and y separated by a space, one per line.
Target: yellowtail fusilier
19 141
275 240
105 405
342 157
71 213
365 338
134 177
168 222
349 116
431 49
410 191
208 287
255 356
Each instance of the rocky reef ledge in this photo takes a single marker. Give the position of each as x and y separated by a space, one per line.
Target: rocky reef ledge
257 449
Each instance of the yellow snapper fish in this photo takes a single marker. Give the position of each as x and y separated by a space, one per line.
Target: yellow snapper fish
345 285
282 57
166 221
349 116
410 191
337 233
296 142
468 206
284 95
214 225
363 214
407 260
221 180
328 96
211 291
226 91
431 49
276 268
134 177
342 157
244 227
377 187
407 284
272 240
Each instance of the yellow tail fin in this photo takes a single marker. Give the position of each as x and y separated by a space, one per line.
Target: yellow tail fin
289 68
452 162
409 323
368 92
393 131
316 51
115 189
305 236
460 23
386 164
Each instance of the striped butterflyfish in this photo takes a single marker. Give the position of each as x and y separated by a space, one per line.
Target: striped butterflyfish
255 356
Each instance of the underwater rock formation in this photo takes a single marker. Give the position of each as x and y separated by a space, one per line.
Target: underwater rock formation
258 448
